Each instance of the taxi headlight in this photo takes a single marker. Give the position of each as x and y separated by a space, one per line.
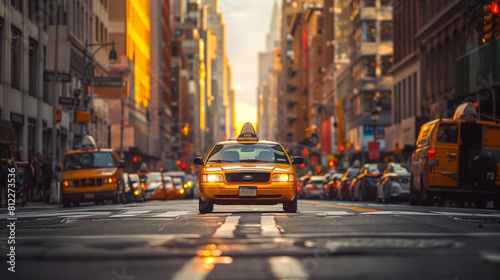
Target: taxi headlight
109 180
283 177
181 191
189 183
68 183
212 178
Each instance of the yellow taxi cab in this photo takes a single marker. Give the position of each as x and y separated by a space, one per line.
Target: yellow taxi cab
92 174
457 159
248 171
154 185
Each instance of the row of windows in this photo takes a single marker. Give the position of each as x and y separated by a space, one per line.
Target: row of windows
366 67
405 99
356 5
367 32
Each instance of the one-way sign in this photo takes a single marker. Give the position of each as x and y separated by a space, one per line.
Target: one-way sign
66 101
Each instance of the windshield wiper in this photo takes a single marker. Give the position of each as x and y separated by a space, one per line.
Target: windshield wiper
219 160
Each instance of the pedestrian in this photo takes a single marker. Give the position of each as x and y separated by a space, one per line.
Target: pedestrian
47 179
39 176
31 180
11 165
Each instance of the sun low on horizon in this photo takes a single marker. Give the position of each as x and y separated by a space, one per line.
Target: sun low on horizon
245 113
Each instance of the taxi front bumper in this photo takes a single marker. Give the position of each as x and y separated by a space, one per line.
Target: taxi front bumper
268 194
89 196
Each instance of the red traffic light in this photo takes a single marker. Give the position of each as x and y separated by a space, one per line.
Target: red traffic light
305 152
331 163
318 170
183 165
341 148
494 8
302 165
475 104
191 167
135 159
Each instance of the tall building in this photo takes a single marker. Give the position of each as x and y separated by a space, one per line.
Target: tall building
406 93
371 83
36 34
130 29
269 71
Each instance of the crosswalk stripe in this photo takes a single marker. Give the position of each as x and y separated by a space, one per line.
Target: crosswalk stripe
130 213
227 229
268 226
287 268
171 214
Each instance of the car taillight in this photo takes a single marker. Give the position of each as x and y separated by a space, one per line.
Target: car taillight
395 179
334 185
348 184
373 175
299 189
312 188
432 154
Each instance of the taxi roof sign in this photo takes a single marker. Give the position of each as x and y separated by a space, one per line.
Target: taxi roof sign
248 133
88 143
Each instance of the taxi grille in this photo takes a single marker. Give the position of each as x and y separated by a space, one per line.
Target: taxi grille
244 177
88 182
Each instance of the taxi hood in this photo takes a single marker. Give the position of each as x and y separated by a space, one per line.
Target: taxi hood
228 167
88 173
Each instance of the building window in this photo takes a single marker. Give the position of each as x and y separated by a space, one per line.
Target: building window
33 68
415 94
385 64
31 139
45 84
1 46
97 29
15 59
385 3
18 5
368 64
403 105
368 3
369 31
386 31
386 98
410 85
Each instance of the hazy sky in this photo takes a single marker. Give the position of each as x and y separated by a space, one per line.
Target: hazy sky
247 23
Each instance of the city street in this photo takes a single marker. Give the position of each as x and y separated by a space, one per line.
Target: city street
323 240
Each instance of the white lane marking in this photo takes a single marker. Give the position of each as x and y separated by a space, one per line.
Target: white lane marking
490 215
227 229
172 214
268 226
130 213
329 213
287 268
491 256
198 267
399 213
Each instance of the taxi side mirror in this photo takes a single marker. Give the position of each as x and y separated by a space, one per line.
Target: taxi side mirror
198 160
121 164
298 160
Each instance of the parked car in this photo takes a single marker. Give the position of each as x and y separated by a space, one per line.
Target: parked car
133 190
331 189
395 184
155 188
365 187
345 183
180 188
314 186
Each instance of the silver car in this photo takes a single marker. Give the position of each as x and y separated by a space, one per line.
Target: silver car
314 187
395 183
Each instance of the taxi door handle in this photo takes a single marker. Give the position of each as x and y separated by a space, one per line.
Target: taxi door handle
452 154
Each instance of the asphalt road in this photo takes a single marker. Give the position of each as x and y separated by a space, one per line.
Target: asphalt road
324 240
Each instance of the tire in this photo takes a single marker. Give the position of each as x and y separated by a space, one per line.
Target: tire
496 203
361 194
290 207
76 203
123 199
66 203
116 198
205 206
413 193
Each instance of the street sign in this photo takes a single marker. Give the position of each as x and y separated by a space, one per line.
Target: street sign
373 150
109 82
110 91
66 101
49 76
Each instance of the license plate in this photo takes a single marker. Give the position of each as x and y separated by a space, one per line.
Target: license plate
89 195
248 191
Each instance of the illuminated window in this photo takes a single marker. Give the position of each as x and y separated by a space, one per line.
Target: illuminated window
369 31
368 3
368 66
385 64
386 31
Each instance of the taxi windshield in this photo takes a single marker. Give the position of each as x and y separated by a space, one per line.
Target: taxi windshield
87 160
230 153
151 178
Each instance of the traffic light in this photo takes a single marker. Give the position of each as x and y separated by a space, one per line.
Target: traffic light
491 21
305 152
341 149
331 163
58 115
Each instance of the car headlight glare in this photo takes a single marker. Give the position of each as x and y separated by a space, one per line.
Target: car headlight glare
212 178
283 177
127 189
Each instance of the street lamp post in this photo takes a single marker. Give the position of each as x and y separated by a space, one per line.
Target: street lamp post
112 59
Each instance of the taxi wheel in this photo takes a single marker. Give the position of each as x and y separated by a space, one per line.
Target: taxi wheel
76 204
290 207
66 203
116 198
205 206
496 203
